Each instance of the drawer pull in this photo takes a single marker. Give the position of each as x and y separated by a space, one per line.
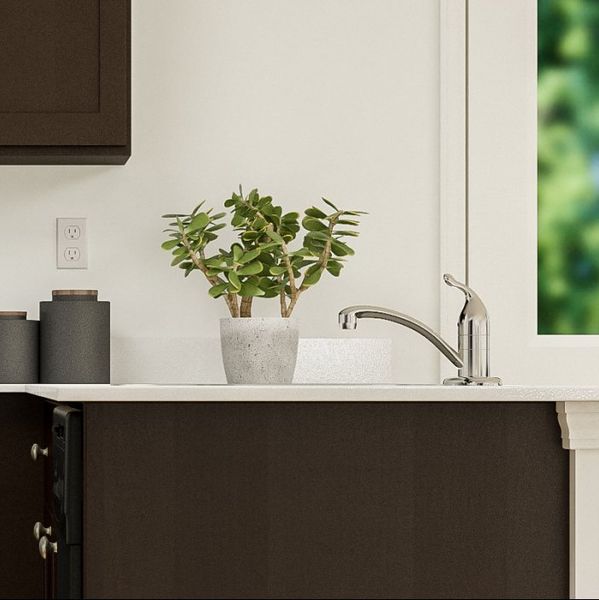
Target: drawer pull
39 530
37 450
46 546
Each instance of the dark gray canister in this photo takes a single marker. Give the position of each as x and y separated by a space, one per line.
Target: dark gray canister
75 338
19 348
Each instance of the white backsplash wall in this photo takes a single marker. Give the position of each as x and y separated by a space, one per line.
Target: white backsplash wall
299 98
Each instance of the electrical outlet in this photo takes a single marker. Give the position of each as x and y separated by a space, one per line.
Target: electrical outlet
71 243
72 232
72 254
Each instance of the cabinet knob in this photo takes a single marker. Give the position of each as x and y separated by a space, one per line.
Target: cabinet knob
37 450
46 546
39 530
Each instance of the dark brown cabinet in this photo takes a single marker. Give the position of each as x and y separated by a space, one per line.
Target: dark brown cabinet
325 500
65 72
22 422
294 500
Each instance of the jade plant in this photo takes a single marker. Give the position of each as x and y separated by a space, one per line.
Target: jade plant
261 263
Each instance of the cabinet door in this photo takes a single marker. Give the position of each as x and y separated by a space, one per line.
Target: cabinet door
324 500
65 70
21 495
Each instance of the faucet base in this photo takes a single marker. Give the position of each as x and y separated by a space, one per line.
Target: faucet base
472 381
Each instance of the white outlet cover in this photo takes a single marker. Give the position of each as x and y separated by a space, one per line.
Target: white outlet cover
71 243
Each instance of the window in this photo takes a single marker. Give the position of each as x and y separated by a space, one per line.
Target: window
568 166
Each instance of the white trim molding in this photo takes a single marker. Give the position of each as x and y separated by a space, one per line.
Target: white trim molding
579 422
453 172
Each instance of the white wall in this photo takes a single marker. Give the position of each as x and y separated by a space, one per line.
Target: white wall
299 98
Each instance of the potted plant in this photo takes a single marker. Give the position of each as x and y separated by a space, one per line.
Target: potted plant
261 264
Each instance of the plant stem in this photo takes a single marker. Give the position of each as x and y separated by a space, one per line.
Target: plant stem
283 303
322 262
292 285
246 306
286 261
230 299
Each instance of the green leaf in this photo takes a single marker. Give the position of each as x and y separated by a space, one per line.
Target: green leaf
252 268
266 258
274 236
316 248
195 210
173 215
199 222
301 252
249 256
312 224
319 235
214 261
249 289
218 290
304 263
315 212
270 293
267 209
341 249
178 259
265 247
290 217
259 223
330 204
350 233
237 252
277 270
237 220
313 276
347 222
334 268
234 281
169 244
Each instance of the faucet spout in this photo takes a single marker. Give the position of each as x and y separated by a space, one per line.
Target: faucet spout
348 319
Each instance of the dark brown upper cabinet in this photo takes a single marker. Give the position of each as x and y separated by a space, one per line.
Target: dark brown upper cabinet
65 92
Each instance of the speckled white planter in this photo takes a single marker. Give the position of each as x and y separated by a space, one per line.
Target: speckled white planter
259 350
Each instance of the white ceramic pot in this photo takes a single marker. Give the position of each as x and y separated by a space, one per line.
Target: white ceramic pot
259 350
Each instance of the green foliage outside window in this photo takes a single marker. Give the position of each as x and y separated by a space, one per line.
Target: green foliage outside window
568 166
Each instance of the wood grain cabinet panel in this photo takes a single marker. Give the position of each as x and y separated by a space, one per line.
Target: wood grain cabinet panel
65 72
324 500
21 495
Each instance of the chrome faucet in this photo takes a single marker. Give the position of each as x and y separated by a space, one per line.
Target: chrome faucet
472 355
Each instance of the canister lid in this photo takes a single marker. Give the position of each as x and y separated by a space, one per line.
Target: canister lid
74 295
13 314
82 294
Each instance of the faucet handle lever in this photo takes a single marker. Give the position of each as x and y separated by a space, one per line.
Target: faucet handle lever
474 308
451 281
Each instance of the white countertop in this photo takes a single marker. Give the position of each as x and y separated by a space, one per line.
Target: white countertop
305 393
